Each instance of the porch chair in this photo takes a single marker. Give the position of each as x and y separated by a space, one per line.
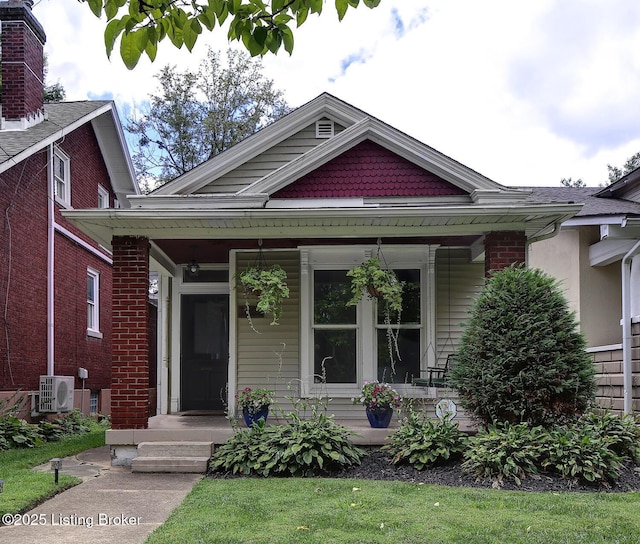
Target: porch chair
439 377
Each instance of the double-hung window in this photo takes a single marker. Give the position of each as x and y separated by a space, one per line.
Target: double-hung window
343 346
62 177
93 303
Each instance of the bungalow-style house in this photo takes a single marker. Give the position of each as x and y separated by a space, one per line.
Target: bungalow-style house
55 281
317 192
596 256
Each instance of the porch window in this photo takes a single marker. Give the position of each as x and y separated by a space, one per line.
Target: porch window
399 349
343 346
335 329
93 303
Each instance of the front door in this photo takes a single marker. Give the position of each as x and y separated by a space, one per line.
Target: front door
204 348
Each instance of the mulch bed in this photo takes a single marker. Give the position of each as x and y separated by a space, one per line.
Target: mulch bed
377 466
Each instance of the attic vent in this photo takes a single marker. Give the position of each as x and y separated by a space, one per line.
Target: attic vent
324 128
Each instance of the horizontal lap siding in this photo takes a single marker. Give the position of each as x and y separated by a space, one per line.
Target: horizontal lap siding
458 283
258 355
272 159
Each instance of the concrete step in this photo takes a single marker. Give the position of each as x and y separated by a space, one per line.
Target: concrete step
169 464
175 449
172 457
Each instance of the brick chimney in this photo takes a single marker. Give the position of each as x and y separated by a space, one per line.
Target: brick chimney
22 43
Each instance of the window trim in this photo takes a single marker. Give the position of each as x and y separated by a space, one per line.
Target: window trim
103 195
60 155
94 331
344 258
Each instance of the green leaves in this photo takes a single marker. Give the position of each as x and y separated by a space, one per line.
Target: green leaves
422 442
299 448
261 27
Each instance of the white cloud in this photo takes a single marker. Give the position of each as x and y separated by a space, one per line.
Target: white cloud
524 93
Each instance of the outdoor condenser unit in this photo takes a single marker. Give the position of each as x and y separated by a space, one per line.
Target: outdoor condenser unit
56 394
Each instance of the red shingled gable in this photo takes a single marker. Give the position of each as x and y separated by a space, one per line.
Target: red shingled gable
368 170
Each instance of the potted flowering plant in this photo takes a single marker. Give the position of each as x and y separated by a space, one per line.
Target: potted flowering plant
255 404
379 400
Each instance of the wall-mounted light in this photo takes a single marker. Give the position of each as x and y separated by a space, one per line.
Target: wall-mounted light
56 465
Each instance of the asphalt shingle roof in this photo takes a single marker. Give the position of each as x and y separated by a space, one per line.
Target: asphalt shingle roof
593 205
60 115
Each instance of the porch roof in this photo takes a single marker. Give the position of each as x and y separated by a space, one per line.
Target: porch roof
346 222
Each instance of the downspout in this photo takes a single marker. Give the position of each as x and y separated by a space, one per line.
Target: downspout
50 264
627 371
554 232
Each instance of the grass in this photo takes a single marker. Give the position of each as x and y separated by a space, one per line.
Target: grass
294 510
25 488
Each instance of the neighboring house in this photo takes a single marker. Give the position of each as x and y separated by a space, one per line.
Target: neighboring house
318 191
596 256
55 282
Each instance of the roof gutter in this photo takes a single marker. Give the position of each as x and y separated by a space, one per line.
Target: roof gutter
554 232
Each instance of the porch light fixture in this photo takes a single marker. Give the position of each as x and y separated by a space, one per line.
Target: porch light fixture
56 465
193 268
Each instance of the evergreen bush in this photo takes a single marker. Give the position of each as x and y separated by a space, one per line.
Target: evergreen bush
521 358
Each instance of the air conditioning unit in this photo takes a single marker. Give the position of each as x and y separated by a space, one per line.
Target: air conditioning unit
56 393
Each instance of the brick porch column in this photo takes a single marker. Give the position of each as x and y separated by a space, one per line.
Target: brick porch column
502 249
130 342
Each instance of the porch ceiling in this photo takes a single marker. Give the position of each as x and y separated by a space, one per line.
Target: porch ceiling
317 223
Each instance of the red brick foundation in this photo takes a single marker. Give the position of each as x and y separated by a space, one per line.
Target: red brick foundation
130 344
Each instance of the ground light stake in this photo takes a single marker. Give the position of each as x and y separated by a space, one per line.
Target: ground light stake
56 465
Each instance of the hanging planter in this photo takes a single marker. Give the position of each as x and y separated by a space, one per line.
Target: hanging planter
376 282
381 284
269 285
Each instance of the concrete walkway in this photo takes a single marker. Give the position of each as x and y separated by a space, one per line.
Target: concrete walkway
112 505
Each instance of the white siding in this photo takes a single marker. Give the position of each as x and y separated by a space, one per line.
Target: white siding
258 361
272 159
458 283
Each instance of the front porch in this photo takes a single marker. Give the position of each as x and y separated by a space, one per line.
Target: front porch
170 432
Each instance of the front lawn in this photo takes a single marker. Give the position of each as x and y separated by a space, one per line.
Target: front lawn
24 488
315 510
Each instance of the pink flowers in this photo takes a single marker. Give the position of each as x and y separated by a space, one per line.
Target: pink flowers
377 395
254 399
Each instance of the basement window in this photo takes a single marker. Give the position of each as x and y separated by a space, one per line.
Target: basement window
324 128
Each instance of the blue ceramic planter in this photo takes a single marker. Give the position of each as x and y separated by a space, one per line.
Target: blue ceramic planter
251 417
380 417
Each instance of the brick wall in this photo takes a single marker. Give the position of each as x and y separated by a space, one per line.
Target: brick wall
23 273
22 62
130 343
502 249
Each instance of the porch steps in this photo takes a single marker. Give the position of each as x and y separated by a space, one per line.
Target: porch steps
172 457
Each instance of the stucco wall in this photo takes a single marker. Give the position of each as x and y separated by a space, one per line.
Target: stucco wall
593 292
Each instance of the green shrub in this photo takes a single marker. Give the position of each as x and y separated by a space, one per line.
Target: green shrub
302 447
506 451
18 433
579 452
622 431
422 442
521 358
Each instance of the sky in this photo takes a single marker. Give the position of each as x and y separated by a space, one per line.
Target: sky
523 92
